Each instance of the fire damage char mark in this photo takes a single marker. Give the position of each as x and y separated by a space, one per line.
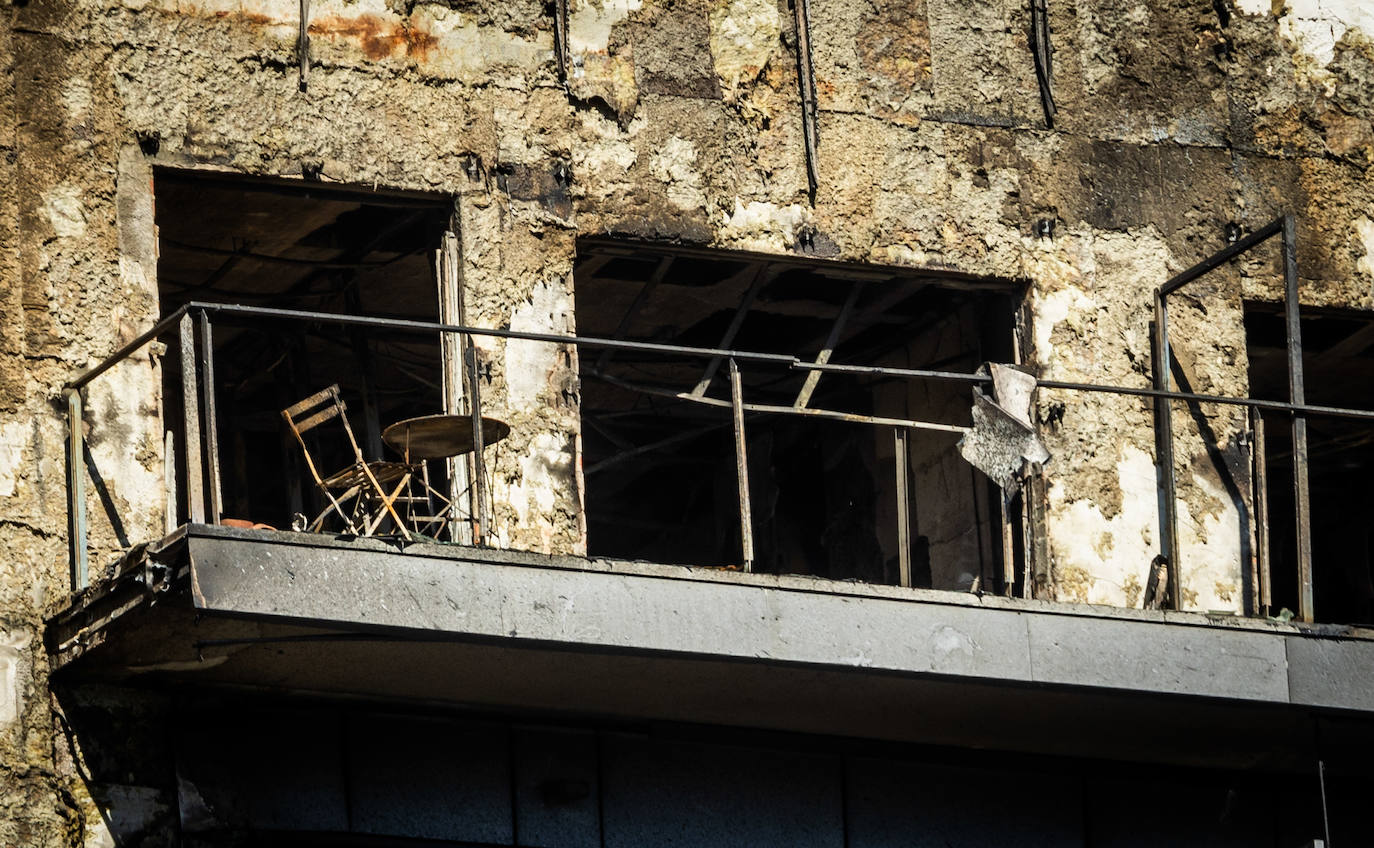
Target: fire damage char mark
378 37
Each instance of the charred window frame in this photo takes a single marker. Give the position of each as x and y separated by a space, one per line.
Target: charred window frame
660 469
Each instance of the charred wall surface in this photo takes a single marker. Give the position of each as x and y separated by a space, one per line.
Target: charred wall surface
680 120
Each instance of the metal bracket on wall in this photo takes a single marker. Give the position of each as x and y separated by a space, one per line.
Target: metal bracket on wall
1286 227
303 44
806 79
1040 48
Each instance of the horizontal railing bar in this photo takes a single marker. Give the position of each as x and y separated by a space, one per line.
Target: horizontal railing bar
1251 403
411 325
963 377
1216 260
110 361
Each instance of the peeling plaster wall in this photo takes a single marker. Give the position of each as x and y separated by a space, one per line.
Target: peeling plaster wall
680 122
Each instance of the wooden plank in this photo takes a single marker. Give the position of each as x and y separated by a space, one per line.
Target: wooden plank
76 489
195 487
899 461
207 387
448 272
735 323
828 349
746 519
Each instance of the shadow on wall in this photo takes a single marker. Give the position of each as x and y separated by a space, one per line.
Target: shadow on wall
206 772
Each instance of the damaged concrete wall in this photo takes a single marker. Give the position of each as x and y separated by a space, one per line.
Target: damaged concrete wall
681 121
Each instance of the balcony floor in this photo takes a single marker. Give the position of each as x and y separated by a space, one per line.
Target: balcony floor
499 630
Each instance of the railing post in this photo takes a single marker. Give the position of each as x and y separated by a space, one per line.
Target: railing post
479 483
899 461
207 388
1263 593
1297 395
746 519
195 488
76 490
1164 446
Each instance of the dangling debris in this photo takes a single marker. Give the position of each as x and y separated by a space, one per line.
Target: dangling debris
1003 441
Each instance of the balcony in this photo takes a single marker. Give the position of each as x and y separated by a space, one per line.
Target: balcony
673 575
436 621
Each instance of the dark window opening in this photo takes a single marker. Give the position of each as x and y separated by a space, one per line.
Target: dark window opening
660 471
1338 370
302 247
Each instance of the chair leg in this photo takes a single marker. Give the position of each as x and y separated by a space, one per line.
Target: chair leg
335 504
388 505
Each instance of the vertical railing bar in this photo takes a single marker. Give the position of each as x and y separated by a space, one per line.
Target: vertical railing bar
746 520
1263 597
195 489
1297 395
76 490
1164 441
899 456
479 485
207 388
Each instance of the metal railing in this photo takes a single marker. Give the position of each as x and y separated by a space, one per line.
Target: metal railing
192 323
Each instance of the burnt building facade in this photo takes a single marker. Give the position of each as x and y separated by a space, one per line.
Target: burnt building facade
836 423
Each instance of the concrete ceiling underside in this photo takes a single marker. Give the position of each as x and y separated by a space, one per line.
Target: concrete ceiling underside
244 611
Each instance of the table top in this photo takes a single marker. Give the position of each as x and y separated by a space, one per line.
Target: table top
440 436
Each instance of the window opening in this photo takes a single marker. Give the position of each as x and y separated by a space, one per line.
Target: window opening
308 247
660 471
1338 366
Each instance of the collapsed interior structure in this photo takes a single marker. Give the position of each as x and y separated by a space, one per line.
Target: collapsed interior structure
823 404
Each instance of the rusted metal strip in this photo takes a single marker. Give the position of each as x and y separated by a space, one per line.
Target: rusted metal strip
1296 396
560 38
114 359
899 462
1263 593
746 520
806 79
303 45
1044 67
195 487
207 388
828 350
1164 451
1221 257
76 490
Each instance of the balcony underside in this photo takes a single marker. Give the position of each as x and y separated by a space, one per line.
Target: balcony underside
472 628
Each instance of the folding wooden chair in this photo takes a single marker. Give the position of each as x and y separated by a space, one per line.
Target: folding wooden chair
364 480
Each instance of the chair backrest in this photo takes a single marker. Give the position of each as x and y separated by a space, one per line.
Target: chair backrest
315 410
